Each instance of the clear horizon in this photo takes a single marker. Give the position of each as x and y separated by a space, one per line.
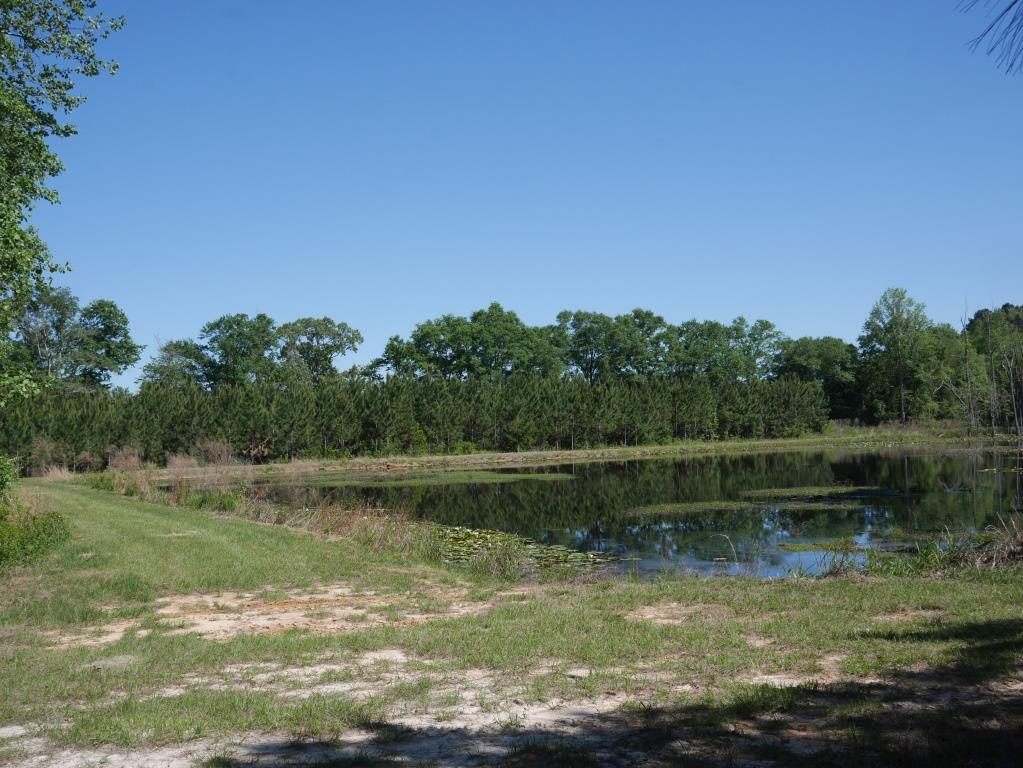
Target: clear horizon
387 163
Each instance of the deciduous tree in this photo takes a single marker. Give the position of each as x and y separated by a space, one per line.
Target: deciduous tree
892 346
63 341
317 342
46 46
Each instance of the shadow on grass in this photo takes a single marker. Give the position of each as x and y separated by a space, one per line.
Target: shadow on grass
968 712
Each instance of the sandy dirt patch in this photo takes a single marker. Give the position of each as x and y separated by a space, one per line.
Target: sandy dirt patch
328 610
449 745
480 733
829 671
916 614
678 613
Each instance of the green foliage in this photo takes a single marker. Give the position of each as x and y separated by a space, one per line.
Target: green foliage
86 345
45 46
8 474
180 362
489 382
490 342
828 360
894 351
106 345
590 345
316 341
25 532
238 349
339 416
997 337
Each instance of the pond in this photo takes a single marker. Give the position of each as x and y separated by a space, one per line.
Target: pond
763 515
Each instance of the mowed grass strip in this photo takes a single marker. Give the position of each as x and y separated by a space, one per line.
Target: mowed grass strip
123 554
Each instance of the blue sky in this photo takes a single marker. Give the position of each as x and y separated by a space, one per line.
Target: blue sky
387 162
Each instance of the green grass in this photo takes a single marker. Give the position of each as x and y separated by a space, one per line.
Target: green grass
124 553
199 713
122 559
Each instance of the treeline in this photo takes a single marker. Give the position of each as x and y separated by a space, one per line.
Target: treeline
490 382
343 416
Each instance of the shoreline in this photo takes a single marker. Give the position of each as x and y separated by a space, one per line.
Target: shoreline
940 436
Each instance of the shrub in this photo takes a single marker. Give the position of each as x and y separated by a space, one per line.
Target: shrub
134 483
214 451
27 532
103 481
44 453
88 461
126 458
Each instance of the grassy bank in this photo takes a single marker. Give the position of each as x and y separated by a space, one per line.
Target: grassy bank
156 625
421 468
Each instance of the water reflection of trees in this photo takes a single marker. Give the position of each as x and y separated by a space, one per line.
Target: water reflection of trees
595 510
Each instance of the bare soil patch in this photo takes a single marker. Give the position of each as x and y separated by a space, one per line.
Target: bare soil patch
830 671
330 609
678 613
909 615
825 726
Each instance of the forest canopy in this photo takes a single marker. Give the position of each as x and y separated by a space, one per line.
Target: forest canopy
489 381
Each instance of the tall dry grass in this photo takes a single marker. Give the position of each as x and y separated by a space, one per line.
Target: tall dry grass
1006 549
57 473
369 526
125 459
179 461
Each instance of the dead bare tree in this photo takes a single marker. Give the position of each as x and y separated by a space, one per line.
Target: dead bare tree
970 397
993 389
1012 364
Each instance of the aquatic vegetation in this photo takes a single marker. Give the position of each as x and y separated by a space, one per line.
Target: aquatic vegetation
691 507
504 554
418 479
818 493
839 545
738 505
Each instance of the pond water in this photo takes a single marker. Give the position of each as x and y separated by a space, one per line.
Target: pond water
765 515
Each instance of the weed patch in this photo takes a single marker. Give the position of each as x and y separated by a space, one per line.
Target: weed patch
27 530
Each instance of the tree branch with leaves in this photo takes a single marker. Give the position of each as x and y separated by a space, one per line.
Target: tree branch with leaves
46 48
